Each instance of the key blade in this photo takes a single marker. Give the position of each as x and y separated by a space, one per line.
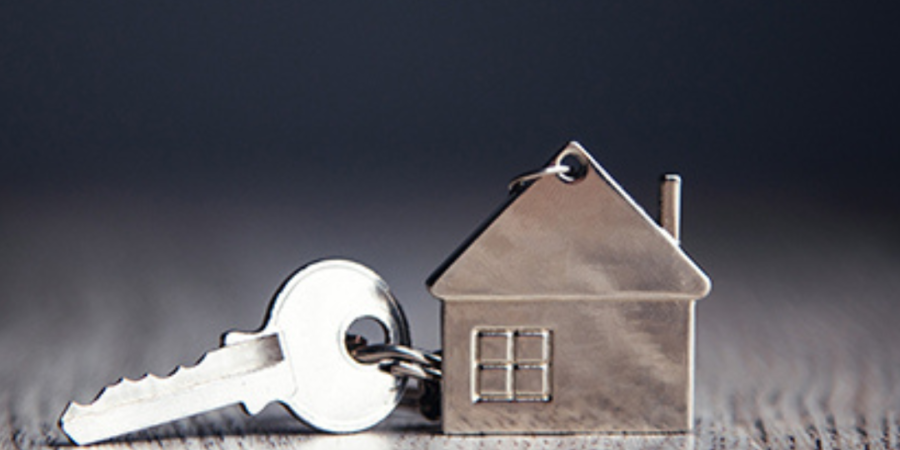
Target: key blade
247 372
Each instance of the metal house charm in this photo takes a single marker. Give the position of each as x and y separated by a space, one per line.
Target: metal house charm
570 310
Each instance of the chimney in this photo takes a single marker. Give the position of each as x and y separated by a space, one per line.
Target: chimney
670 204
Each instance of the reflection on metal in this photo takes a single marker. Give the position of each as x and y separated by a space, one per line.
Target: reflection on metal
300 359
572 256
401 360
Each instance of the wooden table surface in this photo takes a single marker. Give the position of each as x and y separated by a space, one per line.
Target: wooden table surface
798 347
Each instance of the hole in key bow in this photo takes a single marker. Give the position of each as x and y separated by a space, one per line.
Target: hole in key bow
365 331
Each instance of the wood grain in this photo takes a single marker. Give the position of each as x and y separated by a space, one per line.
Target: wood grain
798 347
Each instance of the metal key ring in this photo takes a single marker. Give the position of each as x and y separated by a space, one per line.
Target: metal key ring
556 169
381 352
405 369
570 173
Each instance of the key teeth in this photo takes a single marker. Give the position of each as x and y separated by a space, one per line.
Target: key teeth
119 389
236 337
117 408
123 391
74 405
253 408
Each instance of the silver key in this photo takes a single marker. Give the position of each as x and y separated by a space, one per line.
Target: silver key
299 358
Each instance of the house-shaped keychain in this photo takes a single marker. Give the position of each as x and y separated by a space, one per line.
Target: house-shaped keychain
570 310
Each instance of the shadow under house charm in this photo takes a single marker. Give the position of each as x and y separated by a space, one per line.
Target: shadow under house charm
570 310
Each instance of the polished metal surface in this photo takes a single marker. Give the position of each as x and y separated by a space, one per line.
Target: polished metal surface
522 180
670 205
401 360
585 239
299 358
614 366
408 369
383 352
570 310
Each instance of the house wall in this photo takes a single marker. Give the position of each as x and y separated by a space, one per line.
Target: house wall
614 366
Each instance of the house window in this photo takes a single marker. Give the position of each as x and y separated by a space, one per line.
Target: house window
511 365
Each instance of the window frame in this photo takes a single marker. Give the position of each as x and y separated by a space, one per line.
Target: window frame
511 364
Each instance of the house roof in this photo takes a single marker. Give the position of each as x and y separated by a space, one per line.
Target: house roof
585 240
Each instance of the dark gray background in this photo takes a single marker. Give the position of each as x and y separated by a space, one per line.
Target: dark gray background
254 137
